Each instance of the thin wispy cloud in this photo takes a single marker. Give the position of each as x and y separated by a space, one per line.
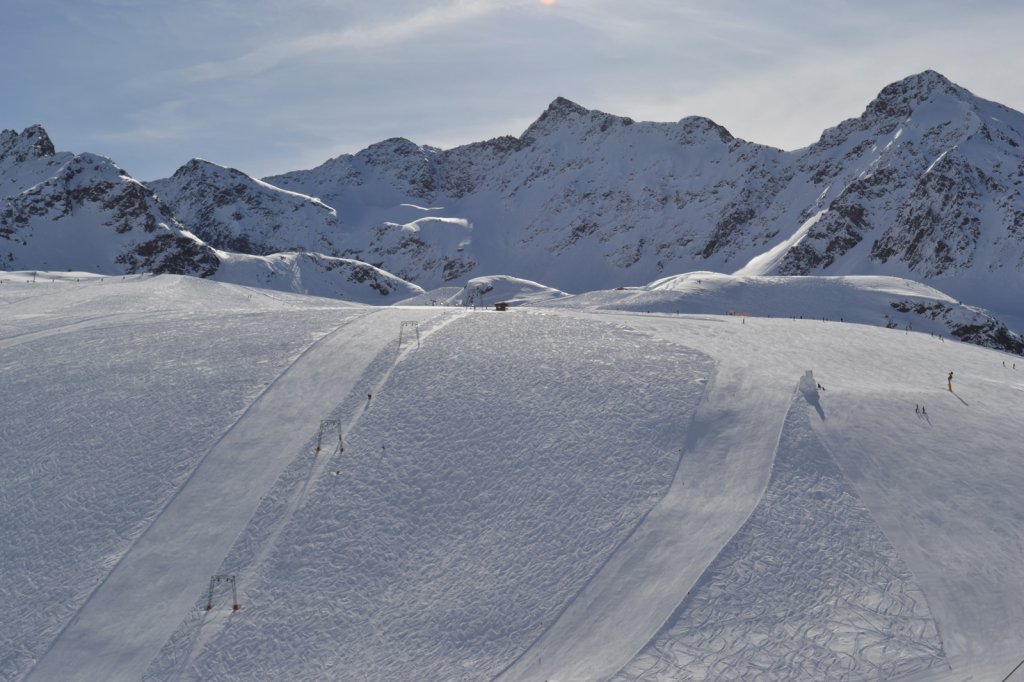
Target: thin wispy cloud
373 36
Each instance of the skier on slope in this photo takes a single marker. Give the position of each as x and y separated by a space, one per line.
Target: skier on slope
949 382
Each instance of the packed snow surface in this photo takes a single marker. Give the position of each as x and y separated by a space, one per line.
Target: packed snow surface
559 493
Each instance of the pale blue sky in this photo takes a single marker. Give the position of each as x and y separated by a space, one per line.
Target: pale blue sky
268 86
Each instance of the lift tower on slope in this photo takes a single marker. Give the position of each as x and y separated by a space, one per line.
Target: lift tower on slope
327 427
407 331
223 578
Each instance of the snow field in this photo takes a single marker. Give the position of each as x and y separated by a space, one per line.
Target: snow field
946 490
188 539
559 493
519 451
100 428
942 489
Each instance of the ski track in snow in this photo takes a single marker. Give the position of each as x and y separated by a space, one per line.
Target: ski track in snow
809 589
109 460
721 476
276 510
503 517
171 559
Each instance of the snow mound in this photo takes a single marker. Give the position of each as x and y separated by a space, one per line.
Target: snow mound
439 296
315 275
486 291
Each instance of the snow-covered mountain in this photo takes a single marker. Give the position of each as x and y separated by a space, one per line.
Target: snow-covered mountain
924 185
232 211
581 200
81 212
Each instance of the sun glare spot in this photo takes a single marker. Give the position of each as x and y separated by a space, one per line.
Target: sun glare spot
547 2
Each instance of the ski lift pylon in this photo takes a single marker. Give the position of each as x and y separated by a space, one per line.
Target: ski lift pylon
327 426
409 329
227 578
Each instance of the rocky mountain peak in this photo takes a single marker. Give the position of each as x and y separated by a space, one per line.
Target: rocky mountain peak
562 107
385 151
562 111
697 126
894 105
197 168
32 143
900 98
192 167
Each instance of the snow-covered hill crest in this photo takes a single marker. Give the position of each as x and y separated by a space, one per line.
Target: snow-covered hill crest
880 301
316 275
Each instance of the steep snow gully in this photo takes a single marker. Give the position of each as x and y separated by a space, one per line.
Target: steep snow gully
160 576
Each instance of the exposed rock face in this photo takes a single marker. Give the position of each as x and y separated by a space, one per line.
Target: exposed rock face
967 324
32 143
27 159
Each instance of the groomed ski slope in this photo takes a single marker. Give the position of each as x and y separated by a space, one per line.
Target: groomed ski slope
179 548
490 478
545 494
113 390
